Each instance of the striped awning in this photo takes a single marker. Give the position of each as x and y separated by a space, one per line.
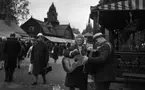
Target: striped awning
122 5
60 40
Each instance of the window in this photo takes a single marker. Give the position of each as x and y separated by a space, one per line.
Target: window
31 29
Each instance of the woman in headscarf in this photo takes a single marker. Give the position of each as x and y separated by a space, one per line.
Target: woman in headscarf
39 58
77 78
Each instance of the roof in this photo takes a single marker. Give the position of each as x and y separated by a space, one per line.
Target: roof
44 26
6 30
122 5
17 29
61 29
58 30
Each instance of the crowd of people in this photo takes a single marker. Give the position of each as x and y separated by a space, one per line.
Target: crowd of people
96 61
13 50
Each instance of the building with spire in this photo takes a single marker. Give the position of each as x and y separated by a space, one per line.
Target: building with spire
89 28
88 32
49 27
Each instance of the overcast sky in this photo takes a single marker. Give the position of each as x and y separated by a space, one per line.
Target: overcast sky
75 12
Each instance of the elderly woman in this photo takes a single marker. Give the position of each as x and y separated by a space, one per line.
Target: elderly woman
39 58
77 78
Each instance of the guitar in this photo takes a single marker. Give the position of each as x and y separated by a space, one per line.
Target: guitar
70 64
89 67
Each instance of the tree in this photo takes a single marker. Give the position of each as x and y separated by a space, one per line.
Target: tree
14 9
76 31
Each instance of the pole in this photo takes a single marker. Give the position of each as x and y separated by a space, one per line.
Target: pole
96 23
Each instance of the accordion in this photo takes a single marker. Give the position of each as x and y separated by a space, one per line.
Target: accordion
90 68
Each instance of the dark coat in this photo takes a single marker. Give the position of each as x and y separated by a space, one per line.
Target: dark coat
77 78
56 52
12 50
2 45
104 64
39 58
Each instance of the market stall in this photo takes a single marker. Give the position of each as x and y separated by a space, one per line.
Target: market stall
125 21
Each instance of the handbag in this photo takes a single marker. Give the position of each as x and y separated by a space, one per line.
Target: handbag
30 68
56 87
47 69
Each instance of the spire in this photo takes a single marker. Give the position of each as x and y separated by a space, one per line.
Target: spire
89 26
89 21
52 15
52 8
31 16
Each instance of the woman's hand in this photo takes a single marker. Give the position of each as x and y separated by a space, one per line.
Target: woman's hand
74 52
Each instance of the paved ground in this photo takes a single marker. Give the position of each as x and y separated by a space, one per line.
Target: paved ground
55 78
22 81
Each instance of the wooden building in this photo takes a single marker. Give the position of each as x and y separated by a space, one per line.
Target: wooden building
49 27
124 20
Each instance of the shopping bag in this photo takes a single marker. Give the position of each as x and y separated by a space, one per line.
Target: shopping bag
56 87
47 69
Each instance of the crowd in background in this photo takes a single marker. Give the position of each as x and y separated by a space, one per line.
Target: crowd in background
55 49
14 50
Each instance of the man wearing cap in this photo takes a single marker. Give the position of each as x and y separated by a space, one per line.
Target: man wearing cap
39 58
11 50
104 72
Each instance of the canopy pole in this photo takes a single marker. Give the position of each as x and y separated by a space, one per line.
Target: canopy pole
98 13
96 22
98 17
130 14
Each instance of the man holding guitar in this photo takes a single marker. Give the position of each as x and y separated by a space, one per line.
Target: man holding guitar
73 65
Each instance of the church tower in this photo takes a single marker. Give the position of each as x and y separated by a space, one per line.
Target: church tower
52 16
89 27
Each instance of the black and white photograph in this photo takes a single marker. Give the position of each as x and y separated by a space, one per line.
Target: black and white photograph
72 44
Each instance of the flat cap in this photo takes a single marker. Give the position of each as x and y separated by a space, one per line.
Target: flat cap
39 34
97 35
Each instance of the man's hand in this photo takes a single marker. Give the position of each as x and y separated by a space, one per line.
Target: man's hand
85 59
89 48
75 50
